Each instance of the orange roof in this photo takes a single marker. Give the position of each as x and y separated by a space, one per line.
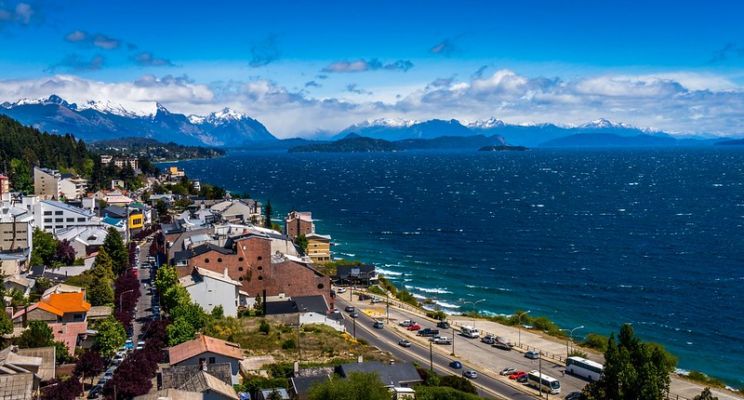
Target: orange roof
62 303
203 344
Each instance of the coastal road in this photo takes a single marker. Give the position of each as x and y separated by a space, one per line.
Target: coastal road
387 340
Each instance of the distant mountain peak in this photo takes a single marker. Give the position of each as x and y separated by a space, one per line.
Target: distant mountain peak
603 123
486 124
388 122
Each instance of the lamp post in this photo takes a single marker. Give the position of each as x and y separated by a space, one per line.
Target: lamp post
570 337
519 326
472 303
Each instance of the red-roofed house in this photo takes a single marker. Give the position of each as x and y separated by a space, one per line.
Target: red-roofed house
206 350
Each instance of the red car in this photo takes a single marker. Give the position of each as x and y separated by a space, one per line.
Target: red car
517 375
414 327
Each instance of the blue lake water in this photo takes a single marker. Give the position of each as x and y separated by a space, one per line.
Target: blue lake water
589 237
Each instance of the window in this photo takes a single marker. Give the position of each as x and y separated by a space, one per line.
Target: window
49 220
240 268
206 261
240 259
219 259
70 219
59 220
260 268
47 227
58 213
212 360
47 213
320 286
81 219
240 279
260 258
260 278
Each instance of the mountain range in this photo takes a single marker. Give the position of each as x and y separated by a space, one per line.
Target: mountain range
95 121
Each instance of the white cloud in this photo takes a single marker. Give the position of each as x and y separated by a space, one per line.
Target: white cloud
680 102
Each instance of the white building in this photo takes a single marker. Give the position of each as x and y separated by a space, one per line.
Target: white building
50 215
73 187
16 228
211 289
84 239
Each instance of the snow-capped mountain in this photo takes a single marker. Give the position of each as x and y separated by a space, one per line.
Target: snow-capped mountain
605 124
486 124
100 120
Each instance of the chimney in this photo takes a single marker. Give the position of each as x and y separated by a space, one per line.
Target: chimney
225 273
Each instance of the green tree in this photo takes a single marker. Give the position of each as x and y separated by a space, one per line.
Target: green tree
267 214
20 176
44 248
114 246
218 312
165 278
179 331
6 325
632 370
173 297
38 334
191 313
442 393
110 337
357 386
258 304
101 289
301 242
705 395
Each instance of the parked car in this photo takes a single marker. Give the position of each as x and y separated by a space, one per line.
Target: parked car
140 345
414 327
349 309
532 355
406 323
516 374
488 339
502 346
441 340
443 325
574 396
341 290
507 371
522 378
404 343
354 314
428 332
455 364
470 374
363 297
129 345
375 300
378 325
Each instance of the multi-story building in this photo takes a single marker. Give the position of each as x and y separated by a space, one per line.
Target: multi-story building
319 247
73 186
50 215
4 186
120 162
47 183
210 289
299 222
16 228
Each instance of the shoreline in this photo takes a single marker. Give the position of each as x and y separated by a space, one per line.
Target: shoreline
378 262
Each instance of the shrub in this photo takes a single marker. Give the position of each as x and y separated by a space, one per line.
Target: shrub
264 327
596 341
289 344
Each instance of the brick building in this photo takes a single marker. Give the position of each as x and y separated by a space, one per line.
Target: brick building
298 222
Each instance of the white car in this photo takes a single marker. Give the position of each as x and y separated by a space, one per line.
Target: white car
442 340
507 371
341 290
406 323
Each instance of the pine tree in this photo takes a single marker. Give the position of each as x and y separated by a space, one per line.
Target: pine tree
114 246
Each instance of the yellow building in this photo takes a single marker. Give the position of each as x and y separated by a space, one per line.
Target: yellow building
136 220
319 247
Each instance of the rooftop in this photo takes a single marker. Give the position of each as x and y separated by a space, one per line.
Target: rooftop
203 344
389 374
67 207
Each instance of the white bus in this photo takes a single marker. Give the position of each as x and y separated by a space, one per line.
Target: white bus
543 382
584 368
470 332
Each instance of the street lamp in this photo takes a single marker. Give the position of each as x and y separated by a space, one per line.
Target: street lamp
473 303
570 337
519 326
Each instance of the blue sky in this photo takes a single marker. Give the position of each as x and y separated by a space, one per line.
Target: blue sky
306 67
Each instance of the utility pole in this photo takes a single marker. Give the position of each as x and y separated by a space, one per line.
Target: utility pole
354 327
519 327
431 357
387 307
453 340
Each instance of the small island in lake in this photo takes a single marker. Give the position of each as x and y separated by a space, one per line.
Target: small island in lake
503 147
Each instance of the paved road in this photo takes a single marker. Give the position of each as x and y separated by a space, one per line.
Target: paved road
387 340
146 301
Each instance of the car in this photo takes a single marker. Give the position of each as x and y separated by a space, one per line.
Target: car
363 297
470 374
354 315
129 345
522 378
455 364
443 325
488 339
574 396
414 327
502 346
532 355
406 323
404 343
378 325
95 392
349 309
507 371
516 374
341 290
375 300
428 332
441 340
